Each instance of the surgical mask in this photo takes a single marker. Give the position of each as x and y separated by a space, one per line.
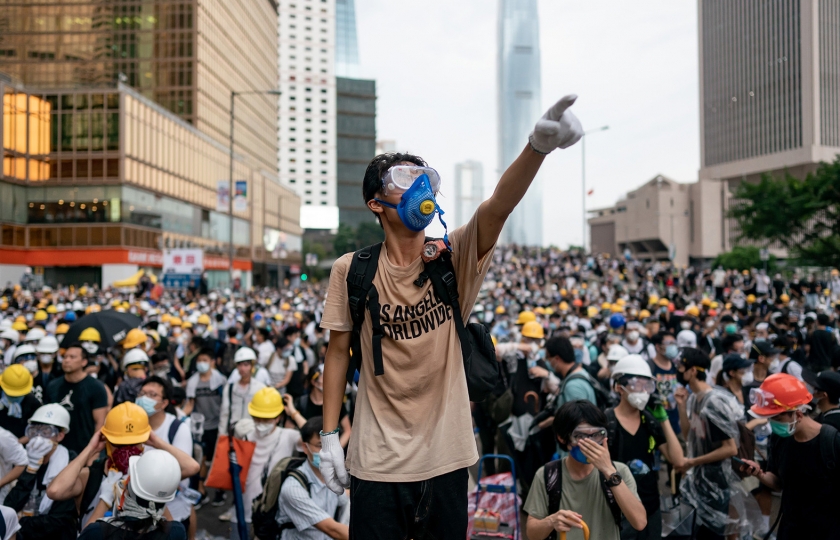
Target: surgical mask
671 351
90 347
199 329
316 460
203 367
46 359
747 378
577 454
774 365
578 356
162 373
264 429
638 399
297 342
31 365
783 429
417 206
685 325
633 335
147 404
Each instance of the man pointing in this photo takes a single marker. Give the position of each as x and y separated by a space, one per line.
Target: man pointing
412 437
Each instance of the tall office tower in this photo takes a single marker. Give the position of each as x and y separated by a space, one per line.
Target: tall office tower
769 101
469 191
346 43
519 108
356 146
307 108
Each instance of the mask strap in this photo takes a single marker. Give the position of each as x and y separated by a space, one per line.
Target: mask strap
384 203
445 228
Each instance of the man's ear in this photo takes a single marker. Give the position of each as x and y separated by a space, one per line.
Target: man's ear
375 206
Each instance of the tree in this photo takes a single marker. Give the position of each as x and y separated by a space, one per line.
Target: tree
801 215
743 258
349 239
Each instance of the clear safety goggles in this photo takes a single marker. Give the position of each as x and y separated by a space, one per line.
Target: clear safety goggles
640 384
594 434
41 430
763 398
25 357
401 177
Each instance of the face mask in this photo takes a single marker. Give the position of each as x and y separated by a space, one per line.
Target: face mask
417 206
577 454
633 335
710 324
774 365
264 429
162 373
287 353
15 399
203 367
731 328
783 429
747 379
759 339
31 366
90 347
199 330
681 378
671 351
578 355
46 359
297 342
147 404
685 325
118 456
316 460
638 399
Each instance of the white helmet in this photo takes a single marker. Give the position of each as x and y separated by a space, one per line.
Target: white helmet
154 476
5 324
24 349
245 354
616 353
11 335
47 345
632 364
36 334
52 414
134 356
687 338
78 306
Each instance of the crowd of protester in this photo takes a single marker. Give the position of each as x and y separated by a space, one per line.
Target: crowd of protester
710 384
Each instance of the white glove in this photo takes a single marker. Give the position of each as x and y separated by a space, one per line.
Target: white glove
36 449
333 469
558 127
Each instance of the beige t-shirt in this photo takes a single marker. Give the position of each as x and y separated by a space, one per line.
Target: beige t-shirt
413 422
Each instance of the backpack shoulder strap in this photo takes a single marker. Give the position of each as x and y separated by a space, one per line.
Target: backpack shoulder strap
612 431
442 274
300 477
828 446
582 374
361 294
615 510
553 476
173 428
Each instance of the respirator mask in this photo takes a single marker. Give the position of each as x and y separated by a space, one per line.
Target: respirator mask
417 206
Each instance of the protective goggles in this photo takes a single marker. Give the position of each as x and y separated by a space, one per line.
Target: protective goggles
24 357
596 435
401 177
640 384
763 398
41 430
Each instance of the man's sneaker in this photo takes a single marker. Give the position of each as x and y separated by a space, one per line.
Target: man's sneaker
227 515
202 501
219 498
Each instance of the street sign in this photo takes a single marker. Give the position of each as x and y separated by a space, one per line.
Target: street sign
764 254
311 259
181 281
182 268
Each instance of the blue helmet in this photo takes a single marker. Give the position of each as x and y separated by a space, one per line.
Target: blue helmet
70 316
617 321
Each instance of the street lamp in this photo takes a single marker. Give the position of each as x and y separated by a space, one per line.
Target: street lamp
582 179
230 186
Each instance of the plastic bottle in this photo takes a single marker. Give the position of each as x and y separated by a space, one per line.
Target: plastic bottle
31 506
762 434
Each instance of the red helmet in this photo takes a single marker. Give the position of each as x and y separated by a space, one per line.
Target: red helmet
779 393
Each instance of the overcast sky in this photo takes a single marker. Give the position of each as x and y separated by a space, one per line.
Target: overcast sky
633 66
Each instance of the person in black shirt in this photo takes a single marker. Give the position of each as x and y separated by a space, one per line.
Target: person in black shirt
83 396
798 462
634 433
826 386
821 345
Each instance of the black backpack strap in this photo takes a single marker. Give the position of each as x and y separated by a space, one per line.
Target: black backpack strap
173 429
828 445
553 476
442 274
612 432
359 284
615 510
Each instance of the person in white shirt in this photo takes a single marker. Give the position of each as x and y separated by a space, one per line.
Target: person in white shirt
10 523
239 393
264 346
282 365
13 461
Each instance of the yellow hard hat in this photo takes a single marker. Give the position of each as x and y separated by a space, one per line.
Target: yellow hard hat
784 298
620 301
90 334
714 305
52 310
116 303
165 318
62 329
16 381
605 305
526 317
298 315
278 317
644 314
533 330
591 311
285 306
20 327
499 310
563 292
125 305
20 318
134 338
266 403
663 302
539 310
826 292
746 272
204 319
549 311
83 290
615 308
186 324
751 299
564 306
706 302
728 305
174 321
40 315
127 423
693 311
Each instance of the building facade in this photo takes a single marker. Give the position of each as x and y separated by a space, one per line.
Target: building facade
307 159
519 85
469 191
356 146
346 42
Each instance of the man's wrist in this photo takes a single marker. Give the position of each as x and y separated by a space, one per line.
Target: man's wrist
333 432
608 471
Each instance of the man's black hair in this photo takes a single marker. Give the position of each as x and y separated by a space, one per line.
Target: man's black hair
265 332
657 338
560 346
231 332
167 386
727 319
571 415
219 317
291 330
312 427
152 325
159 357
281 343
729 340
206 351
822 319
198 341
85 354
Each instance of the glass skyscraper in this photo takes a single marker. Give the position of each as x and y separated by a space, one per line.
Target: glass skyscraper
519 107
346 43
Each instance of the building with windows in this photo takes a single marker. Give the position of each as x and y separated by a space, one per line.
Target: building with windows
307 153
469 191
346 43
356 146
519 85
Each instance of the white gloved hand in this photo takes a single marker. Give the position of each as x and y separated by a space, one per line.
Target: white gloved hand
36 449
558 127
332 467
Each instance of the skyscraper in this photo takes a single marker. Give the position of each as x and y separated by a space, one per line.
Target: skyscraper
469 191
519 107
355 146
346 43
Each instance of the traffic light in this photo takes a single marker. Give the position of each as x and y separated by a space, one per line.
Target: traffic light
303 277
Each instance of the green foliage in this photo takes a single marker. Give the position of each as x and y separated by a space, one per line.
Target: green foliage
743 258
802 215
351 239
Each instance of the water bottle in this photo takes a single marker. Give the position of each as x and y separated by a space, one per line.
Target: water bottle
31 507
531 363
638 467
762 433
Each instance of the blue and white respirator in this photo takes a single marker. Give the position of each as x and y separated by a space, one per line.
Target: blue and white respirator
417 206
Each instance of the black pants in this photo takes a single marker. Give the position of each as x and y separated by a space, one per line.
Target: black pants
434 509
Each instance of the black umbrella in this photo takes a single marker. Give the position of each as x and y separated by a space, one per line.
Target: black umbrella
112 325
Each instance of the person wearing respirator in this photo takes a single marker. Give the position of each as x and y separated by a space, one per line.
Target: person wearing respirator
135 365
17 401
635 433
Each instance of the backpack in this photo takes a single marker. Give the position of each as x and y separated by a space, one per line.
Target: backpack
482 370
746 447
553 476
264 509
648 422
602 397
